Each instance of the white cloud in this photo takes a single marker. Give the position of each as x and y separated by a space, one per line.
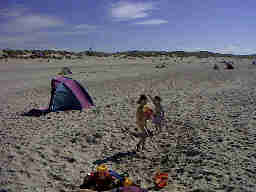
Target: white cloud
152 22
22 41
30 23
23 28
61 33
12 12
128 10
38 21
21 19
85 27
82 29
39 38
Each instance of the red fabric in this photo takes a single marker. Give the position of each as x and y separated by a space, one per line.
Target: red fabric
148 114
161 179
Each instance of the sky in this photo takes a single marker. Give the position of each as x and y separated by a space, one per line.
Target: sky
123 25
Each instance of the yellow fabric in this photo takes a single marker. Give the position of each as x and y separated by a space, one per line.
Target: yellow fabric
102 168
147 107
127 182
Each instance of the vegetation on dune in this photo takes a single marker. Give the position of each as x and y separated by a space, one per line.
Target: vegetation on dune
61 54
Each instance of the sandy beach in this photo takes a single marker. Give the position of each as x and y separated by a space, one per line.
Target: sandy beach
208 143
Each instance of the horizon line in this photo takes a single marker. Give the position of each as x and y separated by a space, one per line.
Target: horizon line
124 51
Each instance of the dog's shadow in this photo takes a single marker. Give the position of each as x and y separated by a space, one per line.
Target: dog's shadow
116 158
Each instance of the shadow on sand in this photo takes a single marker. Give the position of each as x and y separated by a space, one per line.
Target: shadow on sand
116 157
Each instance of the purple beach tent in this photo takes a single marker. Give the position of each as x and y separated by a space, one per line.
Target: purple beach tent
66 94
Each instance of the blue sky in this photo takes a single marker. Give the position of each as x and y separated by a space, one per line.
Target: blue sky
120 25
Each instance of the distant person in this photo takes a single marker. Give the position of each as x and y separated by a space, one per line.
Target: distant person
65 71
229 65
216 67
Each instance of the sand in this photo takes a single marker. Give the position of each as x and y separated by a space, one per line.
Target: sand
208 142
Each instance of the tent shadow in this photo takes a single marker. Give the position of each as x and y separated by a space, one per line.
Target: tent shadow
116 158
